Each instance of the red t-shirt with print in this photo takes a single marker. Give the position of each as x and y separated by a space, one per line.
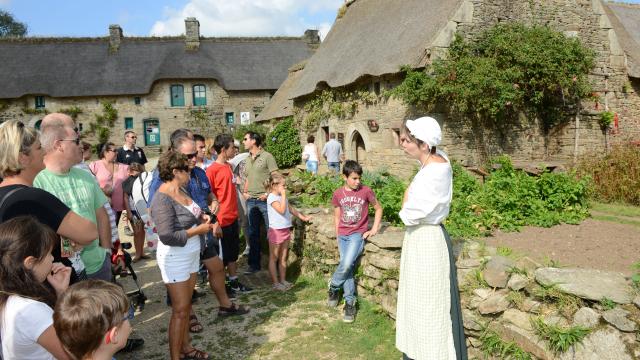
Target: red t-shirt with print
221 180
354 209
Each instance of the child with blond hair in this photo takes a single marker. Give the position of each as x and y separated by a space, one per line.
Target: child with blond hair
279 234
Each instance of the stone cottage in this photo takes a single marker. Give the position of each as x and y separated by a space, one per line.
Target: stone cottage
156 84
372 39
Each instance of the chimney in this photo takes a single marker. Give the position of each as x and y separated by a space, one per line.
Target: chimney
192 31
312 36
115 37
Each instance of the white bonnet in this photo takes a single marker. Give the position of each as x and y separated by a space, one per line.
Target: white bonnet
426 129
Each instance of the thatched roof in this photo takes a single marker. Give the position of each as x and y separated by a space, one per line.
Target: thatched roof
86 67
375 37
281 104
625 19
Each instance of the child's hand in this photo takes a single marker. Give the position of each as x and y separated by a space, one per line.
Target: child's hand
369 233
59 277
305 218
282 190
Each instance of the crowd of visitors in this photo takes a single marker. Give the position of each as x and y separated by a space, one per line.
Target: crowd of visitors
60 246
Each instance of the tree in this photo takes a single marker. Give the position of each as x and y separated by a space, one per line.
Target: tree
10 27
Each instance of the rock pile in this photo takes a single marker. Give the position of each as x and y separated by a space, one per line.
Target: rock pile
503 297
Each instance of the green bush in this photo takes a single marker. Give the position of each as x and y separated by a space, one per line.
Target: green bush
616 175
284 144
510 198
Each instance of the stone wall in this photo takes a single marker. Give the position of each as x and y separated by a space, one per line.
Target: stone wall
500 295
526 144
154 105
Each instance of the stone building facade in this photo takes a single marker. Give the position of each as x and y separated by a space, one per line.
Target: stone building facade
370 133
156 84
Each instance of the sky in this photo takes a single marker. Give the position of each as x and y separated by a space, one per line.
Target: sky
166 17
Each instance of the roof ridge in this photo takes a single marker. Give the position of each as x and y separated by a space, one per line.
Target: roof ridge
71 39
624 4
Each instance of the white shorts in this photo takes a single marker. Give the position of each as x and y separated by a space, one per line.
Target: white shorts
176 265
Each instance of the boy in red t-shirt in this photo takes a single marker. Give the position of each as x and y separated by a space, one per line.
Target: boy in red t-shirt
351 214
221 179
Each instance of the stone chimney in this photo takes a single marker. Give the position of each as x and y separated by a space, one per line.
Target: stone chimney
192 33
115 37
312 36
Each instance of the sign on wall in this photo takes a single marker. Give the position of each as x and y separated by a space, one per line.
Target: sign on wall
245 118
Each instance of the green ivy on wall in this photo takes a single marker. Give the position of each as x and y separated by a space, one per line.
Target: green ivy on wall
510 69
103 123
283 142
338 103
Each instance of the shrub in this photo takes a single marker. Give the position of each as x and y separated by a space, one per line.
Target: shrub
615 176
510 198
560 339
284 144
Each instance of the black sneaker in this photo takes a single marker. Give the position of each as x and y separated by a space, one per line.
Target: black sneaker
334 297
237 286
349 312
231 294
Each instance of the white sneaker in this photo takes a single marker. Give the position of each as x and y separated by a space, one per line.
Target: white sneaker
279 287
287 284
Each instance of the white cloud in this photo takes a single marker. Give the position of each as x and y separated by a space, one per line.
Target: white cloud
249 17
5 2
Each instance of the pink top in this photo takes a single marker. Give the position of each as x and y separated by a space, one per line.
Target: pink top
104 176
354 209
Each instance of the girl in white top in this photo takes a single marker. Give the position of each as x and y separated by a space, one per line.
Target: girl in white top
310 155
424 327
279 212
26 304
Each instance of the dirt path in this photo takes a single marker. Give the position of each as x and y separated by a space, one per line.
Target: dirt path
592 244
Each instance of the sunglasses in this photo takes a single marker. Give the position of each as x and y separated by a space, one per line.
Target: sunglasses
76 140
192 155
128 316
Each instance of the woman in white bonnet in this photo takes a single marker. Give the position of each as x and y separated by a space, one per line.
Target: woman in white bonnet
428 319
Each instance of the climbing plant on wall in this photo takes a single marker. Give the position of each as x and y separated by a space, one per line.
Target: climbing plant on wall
103 123
510 69
338 103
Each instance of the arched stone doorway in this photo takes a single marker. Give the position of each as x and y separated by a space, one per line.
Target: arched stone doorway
359 148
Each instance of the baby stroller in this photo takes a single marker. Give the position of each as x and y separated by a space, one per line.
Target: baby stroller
121 267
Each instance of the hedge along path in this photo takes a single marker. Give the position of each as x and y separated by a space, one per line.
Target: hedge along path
293 324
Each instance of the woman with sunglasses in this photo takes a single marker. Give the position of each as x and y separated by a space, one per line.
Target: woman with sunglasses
21 159
181 226
110 175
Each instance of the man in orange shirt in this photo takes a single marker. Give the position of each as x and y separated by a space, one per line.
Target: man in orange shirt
220 175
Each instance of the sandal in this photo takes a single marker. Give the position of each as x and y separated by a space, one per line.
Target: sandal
234 309
195 354
194 325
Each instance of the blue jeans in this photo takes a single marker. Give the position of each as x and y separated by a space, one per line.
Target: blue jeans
350 247
312 166
257 211
335 166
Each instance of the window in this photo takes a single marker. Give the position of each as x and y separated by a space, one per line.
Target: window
40 102
128 123
229 117
136 100
199 95
177 95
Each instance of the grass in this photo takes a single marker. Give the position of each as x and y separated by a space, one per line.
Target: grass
504 251
607 303
492 344
372 333
566 303
560 339
617 213
516 298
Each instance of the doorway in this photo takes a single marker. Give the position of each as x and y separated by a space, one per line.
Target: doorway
358 146
151 132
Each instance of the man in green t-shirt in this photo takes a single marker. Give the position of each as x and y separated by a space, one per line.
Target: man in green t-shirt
78 190
259 165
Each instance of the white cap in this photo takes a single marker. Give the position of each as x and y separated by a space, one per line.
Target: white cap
426 129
